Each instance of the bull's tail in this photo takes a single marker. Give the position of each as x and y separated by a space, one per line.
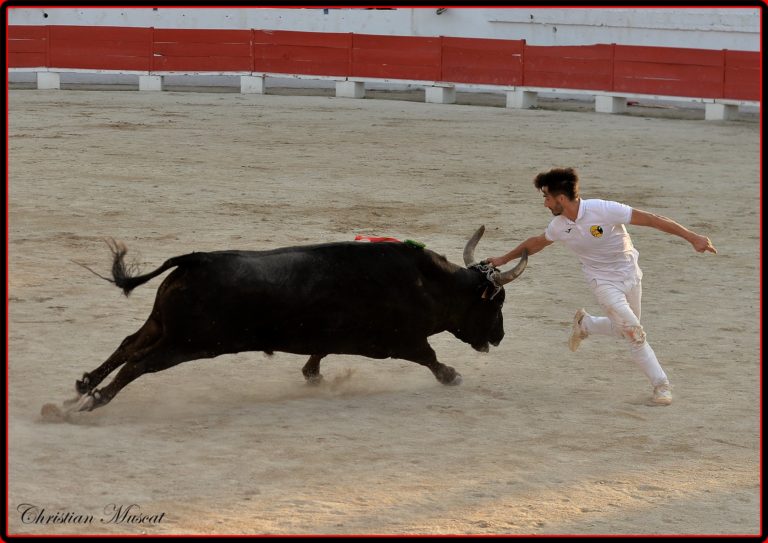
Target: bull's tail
124 276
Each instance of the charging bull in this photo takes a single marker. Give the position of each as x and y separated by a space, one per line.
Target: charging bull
379 300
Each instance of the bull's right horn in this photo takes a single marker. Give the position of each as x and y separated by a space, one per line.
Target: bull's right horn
503 278
469 248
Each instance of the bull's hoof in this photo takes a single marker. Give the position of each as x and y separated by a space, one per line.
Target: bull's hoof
82 386
86 403
456 380
314 379
449 376
90 401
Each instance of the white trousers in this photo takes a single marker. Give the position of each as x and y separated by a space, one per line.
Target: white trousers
621 302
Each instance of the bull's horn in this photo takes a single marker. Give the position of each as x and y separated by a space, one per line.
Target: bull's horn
508 276
469 249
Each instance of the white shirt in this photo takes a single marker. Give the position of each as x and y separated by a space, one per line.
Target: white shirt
600 240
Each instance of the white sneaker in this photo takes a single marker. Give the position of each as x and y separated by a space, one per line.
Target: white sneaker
577 334
662 394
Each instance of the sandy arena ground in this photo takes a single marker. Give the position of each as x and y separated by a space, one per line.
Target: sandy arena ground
537 440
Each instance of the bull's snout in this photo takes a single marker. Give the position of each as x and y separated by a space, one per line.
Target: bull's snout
497 336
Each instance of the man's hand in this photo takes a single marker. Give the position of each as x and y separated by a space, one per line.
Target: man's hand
702 243
496 262
530 247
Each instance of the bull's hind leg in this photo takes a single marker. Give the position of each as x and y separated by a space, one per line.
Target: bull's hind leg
131 348
151 360
425 355
311 369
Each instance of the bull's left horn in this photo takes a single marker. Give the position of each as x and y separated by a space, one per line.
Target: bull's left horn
503 278
469 249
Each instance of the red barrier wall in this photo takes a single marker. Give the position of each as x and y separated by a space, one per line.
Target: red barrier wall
201 50
742 75
669 71
395 57
661 71
100 47
27 46
492 62
569 67
289 52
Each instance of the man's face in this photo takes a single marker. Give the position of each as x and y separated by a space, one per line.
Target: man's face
553 203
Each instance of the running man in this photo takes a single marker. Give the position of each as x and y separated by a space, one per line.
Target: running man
594 230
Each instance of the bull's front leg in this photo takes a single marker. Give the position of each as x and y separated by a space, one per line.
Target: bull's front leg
311 369
424 354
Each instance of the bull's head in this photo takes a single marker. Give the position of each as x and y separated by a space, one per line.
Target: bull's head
484 323
499 278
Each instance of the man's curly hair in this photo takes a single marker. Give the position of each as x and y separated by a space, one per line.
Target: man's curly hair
559 181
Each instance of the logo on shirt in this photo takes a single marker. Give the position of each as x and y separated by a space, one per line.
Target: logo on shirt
596 231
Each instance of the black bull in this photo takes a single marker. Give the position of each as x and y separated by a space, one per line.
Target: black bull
380 300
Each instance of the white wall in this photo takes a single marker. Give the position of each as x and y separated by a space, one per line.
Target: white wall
702 28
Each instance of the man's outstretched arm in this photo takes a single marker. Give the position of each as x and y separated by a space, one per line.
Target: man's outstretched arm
659 222
532 245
